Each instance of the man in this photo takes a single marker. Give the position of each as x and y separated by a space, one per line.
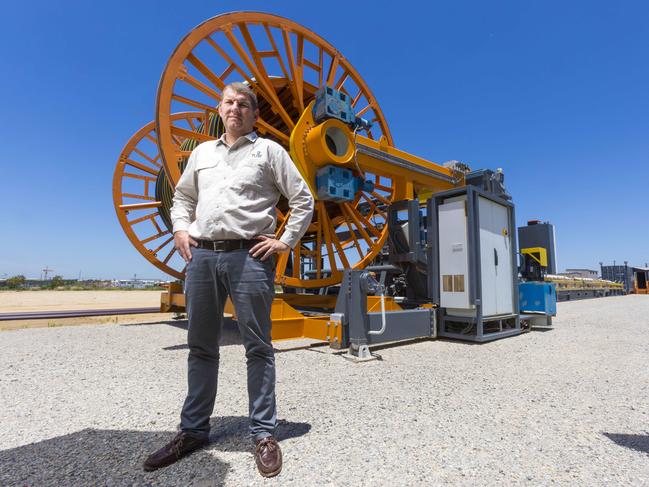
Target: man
224 221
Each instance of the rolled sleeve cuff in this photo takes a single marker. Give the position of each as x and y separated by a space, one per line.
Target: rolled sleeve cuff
289 240
181 226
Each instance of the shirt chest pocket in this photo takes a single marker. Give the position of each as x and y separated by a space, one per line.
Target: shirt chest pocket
209 174
247 178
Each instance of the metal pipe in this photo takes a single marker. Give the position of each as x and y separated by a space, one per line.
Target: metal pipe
39 315
383 320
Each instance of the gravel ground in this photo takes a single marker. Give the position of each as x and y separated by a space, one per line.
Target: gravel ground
84 406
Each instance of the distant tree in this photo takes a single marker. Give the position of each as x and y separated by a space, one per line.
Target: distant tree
56 281
16 282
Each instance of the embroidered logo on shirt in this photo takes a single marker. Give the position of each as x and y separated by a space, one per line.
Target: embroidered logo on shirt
256 155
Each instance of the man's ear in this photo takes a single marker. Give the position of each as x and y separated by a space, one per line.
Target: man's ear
256 114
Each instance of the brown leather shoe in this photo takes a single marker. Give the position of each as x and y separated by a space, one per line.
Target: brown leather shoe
268 456
182 444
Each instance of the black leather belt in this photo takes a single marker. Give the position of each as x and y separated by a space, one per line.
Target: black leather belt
226 245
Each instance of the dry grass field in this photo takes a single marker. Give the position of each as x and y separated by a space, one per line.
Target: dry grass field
19 301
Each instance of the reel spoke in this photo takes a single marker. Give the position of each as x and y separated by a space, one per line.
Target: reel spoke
142 193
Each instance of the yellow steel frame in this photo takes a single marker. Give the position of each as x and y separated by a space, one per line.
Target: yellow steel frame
288 322
310 152
539 254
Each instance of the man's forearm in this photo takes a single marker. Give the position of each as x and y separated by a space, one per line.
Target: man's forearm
301 214
182 212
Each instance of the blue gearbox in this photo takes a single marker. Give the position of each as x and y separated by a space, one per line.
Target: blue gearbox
339 184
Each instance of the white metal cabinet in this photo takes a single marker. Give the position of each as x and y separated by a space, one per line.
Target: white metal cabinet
453 254
495 258
474 275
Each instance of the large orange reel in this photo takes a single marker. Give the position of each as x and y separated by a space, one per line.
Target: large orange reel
285 64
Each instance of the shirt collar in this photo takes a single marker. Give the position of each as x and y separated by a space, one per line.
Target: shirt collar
252 136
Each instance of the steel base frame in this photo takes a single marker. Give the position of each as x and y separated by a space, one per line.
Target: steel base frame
362 328
481 333
537 320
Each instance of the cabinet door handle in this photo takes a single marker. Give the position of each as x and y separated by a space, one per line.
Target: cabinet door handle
495 257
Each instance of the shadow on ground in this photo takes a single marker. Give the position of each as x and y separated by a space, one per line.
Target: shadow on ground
182 324
114 457
229 334
633 442
230 433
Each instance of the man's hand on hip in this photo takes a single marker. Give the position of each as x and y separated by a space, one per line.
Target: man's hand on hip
184 243
268 246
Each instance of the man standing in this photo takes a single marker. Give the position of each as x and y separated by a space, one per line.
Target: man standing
224 221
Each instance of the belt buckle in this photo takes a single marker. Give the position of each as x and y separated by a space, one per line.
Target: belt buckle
218 246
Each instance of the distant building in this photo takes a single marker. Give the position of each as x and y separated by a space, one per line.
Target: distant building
135 283
618 273
589 273
30 283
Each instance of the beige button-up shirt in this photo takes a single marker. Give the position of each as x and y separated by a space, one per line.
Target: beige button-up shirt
230 192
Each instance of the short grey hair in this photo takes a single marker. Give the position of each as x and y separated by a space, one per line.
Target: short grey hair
243 89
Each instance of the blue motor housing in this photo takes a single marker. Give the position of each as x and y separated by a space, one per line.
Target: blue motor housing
539 297
334 183
330 103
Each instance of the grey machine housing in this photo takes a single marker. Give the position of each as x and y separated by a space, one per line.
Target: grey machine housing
471 320
413 271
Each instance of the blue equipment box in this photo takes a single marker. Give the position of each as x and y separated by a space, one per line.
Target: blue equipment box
339 184
540 297
335 184
330 103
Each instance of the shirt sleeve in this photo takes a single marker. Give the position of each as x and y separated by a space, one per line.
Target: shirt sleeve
185 198
290 183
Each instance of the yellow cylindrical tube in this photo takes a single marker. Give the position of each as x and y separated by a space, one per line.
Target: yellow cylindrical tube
331 142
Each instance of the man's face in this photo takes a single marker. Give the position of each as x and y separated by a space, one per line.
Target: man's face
237 113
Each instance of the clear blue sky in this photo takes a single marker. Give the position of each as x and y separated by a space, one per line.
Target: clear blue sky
554 92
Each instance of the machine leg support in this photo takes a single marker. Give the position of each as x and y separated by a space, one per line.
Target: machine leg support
361 353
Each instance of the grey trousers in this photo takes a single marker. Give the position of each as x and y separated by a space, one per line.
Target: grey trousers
210 278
